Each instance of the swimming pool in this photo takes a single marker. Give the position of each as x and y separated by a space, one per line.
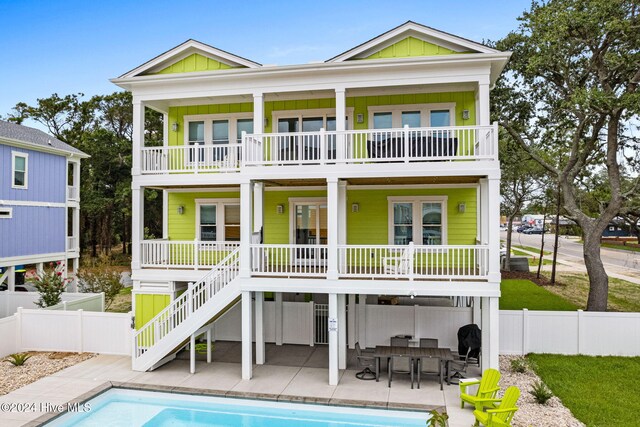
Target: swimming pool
129 408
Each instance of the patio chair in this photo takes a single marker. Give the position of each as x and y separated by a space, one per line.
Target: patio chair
401 264
428 342
430 366
399 342
400 365
487 388
457 369
503 413
366 361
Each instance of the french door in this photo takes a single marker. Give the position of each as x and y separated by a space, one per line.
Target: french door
309 228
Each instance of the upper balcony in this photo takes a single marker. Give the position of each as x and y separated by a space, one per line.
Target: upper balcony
455 144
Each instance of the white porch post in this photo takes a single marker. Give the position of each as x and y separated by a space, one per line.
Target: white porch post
342 331
342 220
490 333
258 206
484 211
259 328
351 329
477 319
258 113
137 225
332 228
247 339
165 214
483 103
138 136
246 210
278 310
493 228
341 114
11 278
333 339
362 320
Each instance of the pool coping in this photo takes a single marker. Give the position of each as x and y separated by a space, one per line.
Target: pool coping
108 385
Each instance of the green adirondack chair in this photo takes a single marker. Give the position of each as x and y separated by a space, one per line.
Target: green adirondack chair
503 413
488 387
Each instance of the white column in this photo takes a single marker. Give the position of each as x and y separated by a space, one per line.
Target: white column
493 229
332 228
341 113
259 328
333 339
342 219
477 318
165 129
258 206
75 230
76 179
11 278
484 211
278 316
362 320
138 136
490 333
342 331
483 104
247 339
137 225
258 113
165 214
246 202
351 329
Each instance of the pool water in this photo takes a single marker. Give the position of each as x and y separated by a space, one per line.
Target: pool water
130 408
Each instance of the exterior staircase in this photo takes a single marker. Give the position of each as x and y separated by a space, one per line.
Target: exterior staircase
201 304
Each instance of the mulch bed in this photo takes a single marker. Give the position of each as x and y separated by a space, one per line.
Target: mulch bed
524 275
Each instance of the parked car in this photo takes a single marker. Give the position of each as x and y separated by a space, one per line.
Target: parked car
522 228
534 230
25 287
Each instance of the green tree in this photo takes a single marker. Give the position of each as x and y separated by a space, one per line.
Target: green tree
569 98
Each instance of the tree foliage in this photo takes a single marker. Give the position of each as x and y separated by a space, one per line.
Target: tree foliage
570 99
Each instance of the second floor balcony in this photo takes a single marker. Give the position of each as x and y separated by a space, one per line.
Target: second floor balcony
370 146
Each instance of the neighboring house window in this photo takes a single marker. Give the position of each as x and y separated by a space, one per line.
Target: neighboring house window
6 213
413 115
19 170
421 220
218 220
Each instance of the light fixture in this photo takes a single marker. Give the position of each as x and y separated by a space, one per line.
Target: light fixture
462 207
360 118
355 207
412 294
174 126
180 210
465 115
266 121
280 209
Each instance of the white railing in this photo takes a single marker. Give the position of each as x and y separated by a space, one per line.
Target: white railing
72 243
72 192
288 260
411 261
186 304
372 146
197 158
184 254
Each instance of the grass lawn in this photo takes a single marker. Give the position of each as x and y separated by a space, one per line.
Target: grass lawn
518 294
533 261
599 391
623 295
122 302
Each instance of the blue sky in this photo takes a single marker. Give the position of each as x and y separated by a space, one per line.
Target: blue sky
76 46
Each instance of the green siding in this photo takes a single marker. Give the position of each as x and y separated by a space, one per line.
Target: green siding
411 46
194 62
183 227
148 305
276 226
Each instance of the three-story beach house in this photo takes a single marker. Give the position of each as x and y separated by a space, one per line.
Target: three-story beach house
39 200
371 177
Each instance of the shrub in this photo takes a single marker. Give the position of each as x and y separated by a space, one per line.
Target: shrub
519 364
541 392
18 359
438 419
50 285
101 279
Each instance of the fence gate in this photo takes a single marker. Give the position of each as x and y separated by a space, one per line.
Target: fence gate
321 325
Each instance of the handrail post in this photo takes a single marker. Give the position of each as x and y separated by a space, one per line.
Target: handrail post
406 143
196 254
190 297
244 147
196 157
411 258
323 146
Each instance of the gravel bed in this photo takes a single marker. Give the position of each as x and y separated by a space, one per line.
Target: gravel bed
39 365
531 413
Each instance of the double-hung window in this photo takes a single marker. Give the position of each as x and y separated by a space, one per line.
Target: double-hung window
19 170
421 220
218 220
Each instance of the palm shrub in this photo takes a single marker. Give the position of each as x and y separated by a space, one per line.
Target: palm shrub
521 365
50 285
18 359
438 419
540 392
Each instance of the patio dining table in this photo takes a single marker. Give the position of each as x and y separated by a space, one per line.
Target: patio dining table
444 354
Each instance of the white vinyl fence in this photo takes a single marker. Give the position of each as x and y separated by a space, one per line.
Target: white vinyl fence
70 331
10 301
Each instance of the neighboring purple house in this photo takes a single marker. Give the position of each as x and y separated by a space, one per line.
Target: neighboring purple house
39 200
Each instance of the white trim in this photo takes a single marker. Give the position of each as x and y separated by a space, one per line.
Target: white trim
6 213
202 189
424 109
31 203
35 258
25 156
232 118
324 188
409 186
41 148
220 224
416 202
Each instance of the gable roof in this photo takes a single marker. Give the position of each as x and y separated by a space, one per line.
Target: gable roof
185 50
28 136
415 30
